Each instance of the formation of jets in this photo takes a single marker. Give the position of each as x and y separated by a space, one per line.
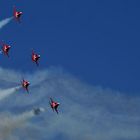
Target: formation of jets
54 105
17 14
35 58
5 49
25 84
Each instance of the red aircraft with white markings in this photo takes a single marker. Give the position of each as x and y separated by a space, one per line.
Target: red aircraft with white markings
54 105
35 57
5 49
17 14
25 84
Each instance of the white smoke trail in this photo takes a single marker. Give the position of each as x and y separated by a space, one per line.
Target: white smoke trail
5 21
7 92
9 124
23 117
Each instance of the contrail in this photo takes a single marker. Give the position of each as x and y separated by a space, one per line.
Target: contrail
7 92
5 22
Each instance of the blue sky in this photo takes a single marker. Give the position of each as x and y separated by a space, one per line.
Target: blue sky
96 41
89 51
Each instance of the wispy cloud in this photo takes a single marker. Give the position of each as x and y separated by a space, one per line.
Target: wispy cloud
86 112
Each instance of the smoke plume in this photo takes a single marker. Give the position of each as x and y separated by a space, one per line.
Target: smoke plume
5 22
10 123
7 92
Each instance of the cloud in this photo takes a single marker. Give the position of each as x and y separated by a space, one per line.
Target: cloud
86 112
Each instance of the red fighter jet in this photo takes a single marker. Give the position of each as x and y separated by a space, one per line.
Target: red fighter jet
17 14
54 105
5 49
25 84
35 57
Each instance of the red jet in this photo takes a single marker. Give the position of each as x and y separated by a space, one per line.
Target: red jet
5 49
25 84
54 105
17 14
35 57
